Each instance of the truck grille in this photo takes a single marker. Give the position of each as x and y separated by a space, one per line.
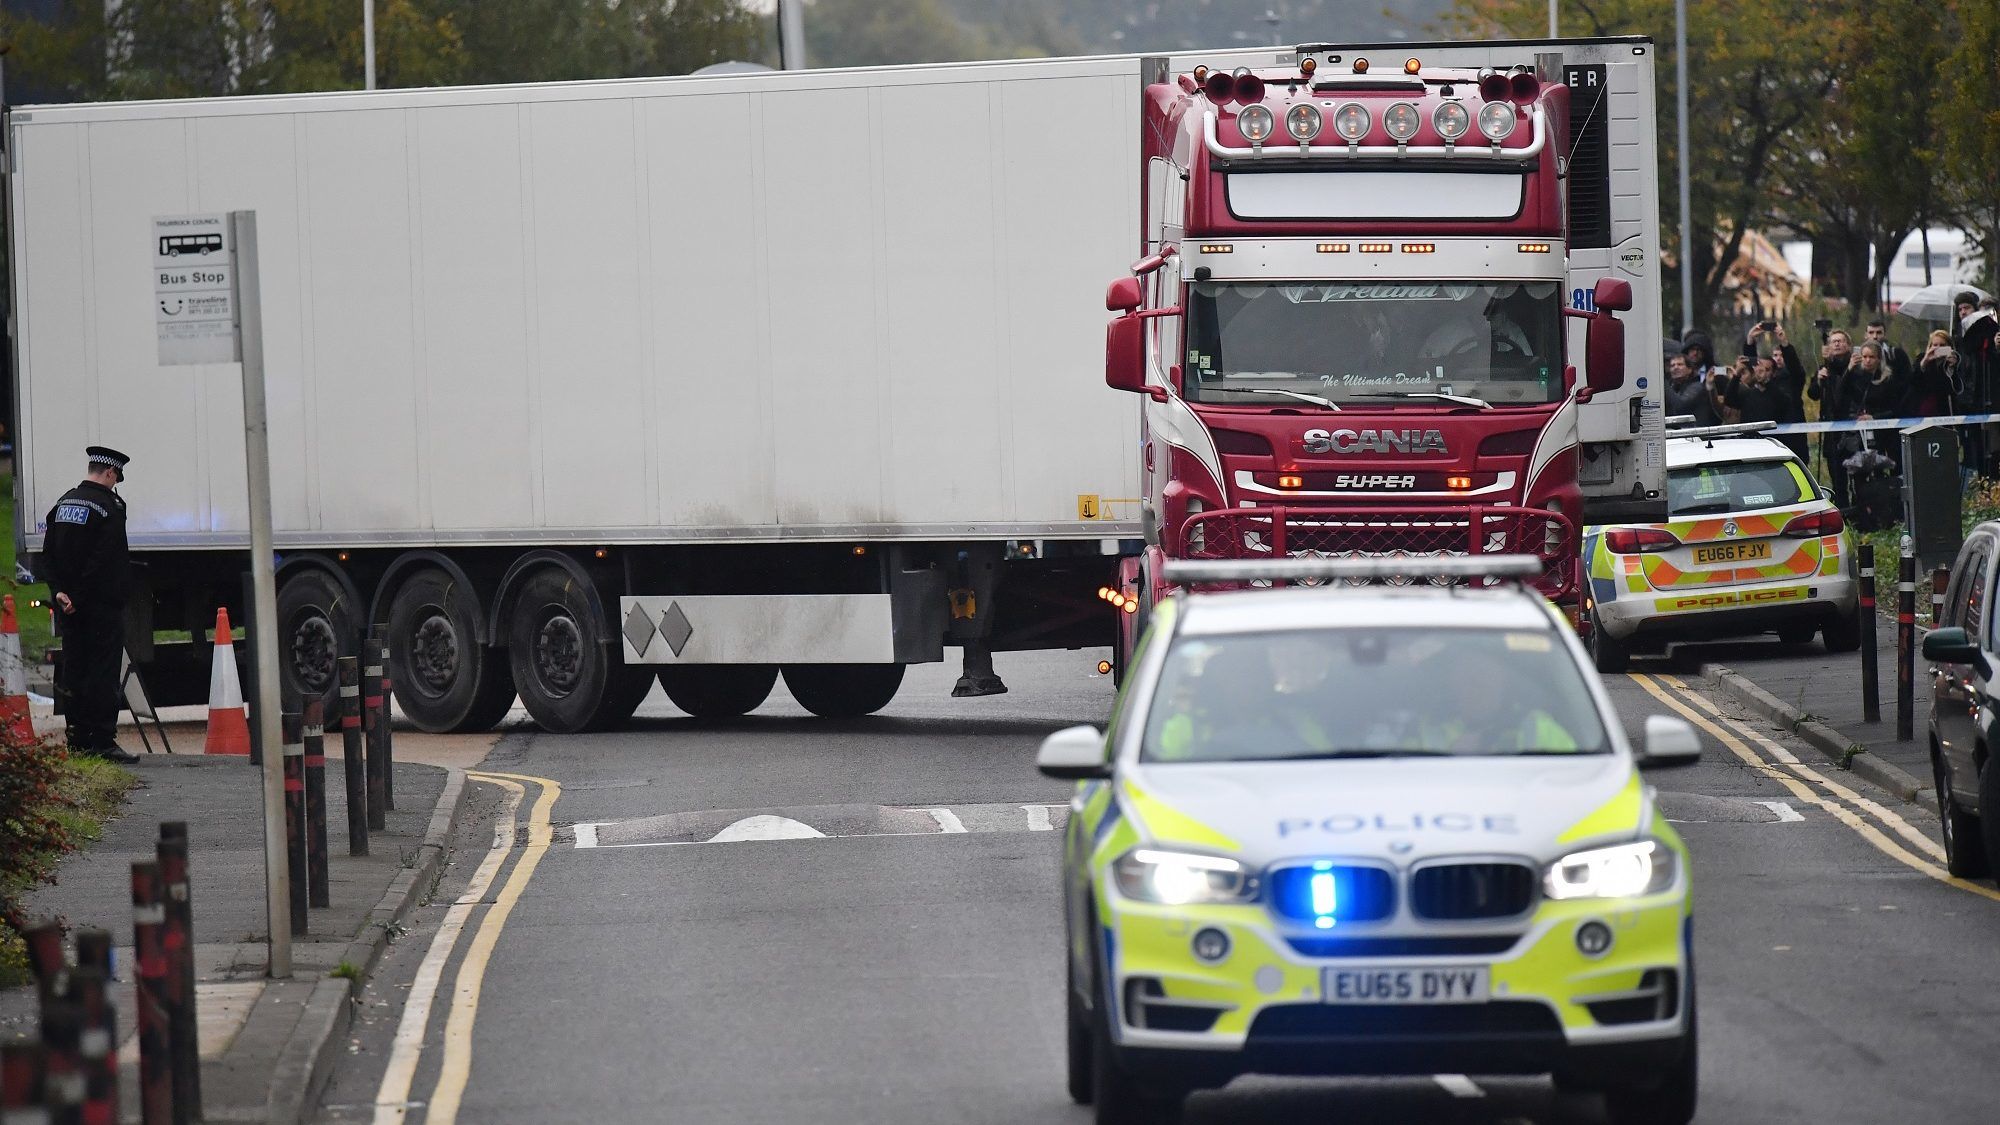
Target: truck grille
1261 533
1450 891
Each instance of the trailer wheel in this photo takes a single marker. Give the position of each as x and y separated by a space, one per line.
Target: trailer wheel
569 678
446 681
316 625
843 691
718 691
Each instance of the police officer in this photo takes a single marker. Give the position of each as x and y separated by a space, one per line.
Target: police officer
86 563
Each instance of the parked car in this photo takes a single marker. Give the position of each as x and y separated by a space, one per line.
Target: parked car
1964 723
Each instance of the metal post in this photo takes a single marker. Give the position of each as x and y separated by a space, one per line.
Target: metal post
1940 578
177 945
1871 695
317 892
21 1082
791 35
1553 33
295 818
96 1042
158 1105
249 678
63 1079
368 47
1681 140
353 755
1906 641
376 720
388 719
264 611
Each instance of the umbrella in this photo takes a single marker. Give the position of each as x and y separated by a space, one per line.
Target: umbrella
1933 302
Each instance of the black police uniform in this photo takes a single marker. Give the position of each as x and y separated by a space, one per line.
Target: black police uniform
84 555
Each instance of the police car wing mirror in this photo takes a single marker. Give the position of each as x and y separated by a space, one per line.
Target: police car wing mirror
1669 742
1074 754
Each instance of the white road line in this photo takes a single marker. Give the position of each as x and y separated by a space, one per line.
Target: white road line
1458 1085
392 1097
586 835
947 820
1786 813
1038 818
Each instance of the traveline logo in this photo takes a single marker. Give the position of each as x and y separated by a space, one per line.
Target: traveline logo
1374 441
1345 823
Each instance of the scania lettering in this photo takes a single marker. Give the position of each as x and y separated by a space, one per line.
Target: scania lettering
1401 258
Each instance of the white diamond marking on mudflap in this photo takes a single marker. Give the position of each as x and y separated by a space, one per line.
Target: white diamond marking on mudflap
675 628
639 630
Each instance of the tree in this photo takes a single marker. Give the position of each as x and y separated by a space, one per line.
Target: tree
1968 117
557 40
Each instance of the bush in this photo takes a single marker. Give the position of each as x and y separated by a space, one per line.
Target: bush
33 832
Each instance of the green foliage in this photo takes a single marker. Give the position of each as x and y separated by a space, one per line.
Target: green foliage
36 632
50 804
346 970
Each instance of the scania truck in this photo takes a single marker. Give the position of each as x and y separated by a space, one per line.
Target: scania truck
1376 307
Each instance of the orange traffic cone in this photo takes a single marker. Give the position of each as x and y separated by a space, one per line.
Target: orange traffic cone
228 729
14 717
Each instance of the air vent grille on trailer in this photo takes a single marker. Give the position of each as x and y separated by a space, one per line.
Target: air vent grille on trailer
1590 159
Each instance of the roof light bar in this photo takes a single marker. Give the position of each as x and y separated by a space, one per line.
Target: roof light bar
1296 570
1720 431
1352 122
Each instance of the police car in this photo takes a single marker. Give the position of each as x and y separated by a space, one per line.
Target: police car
1751 544
1371 829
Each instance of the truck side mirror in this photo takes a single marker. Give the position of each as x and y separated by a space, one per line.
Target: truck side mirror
1124 295
1612 295
1604 347
1125 353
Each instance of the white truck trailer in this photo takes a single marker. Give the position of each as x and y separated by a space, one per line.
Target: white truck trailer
576 385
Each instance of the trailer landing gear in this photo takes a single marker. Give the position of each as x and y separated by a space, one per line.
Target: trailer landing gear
977 677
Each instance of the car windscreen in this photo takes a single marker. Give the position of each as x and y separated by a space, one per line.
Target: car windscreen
1742 486
1370 692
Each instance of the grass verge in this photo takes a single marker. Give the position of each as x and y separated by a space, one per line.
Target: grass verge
36 628
86 793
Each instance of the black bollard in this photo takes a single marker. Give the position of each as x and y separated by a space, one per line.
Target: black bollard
96 1044
1871 695
157 1104
295 816
1906 643
381 633
1940 579
177 944
21 1080
353 756
63 1077
375 724
318 893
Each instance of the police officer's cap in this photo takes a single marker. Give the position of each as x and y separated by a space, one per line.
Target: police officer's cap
103 456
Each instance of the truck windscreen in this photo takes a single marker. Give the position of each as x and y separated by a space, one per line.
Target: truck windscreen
1500 342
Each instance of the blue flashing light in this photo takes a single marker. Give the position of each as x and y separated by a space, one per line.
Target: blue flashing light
1327 894
1325 898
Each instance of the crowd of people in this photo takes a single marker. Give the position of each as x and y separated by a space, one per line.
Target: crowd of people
1958 373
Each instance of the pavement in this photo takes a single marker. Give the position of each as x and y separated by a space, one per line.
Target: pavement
1819 698
265 1044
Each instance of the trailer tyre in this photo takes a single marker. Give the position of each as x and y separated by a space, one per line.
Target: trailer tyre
317 626
570 679
843 691
445 680
718 691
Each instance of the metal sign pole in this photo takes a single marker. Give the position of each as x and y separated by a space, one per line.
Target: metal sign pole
263 577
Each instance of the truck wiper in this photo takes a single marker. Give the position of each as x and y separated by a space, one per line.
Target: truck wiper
1300 395
1462 400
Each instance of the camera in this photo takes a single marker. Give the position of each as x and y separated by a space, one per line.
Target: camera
1825 326
1767 325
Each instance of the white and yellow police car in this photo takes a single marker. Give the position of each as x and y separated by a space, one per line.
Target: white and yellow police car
1751 545
1372 830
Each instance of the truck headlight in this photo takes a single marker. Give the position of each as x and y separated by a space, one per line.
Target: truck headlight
1180 878
1622 871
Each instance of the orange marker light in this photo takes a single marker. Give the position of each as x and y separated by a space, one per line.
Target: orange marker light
1360 66
1458 483
1306 66
1200 75
1104 667
600 552
1131 605
1291 482
1411 66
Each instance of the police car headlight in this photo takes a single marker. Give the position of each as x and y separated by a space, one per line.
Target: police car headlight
1625 871
1180 878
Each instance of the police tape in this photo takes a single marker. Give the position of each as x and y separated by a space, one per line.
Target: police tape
1879 424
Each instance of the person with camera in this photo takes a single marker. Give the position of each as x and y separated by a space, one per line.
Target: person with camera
1829 387
1876 392
1936 385
1771 389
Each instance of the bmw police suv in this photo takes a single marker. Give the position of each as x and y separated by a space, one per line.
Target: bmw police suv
1371 829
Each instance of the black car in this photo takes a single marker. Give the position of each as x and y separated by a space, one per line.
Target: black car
1965 724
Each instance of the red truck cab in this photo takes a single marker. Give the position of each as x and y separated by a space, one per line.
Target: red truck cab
1350 326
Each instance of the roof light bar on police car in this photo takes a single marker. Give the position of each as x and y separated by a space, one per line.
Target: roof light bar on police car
1307 570
1730 430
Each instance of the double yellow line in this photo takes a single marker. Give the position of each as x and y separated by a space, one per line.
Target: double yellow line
455 1068
1889 833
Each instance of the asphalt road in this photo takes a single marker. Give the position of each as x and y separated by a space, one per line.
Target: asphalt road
896 969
